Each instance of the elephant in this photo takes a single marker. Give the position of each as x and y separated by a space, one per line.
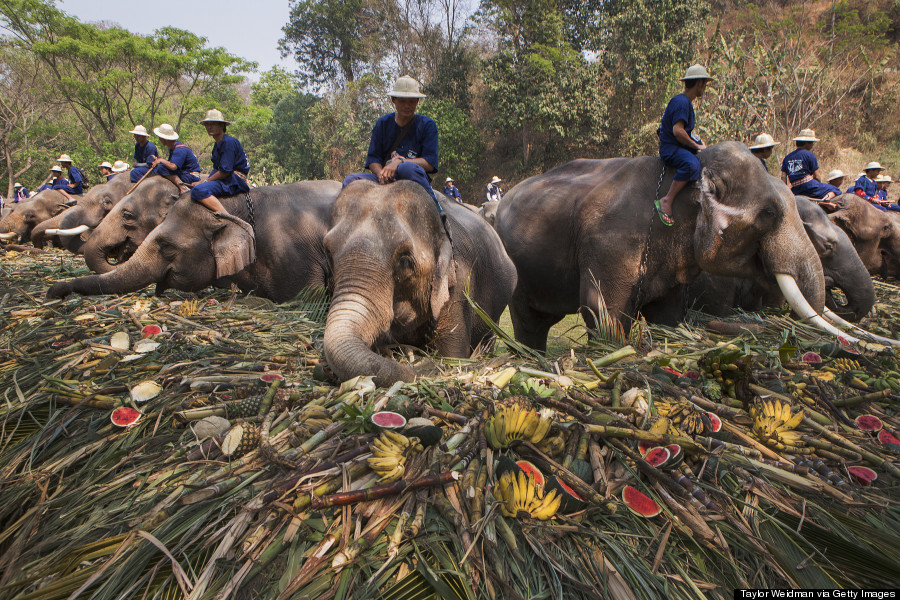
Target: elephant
398 277
588 227
488 210
194 248
874 233
89 210
28 214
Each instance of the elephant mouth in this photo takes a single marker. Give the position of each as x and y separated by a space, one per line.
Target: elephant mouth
117 255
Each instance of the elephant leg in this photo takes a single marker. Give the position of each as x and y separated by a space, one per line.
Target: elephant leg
531 326
669 310
616 299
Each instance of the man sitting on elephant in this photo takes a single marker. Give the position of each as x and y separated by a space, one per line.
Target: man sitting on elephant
800 170
678 146
403 145
106 170
75 183
762 148
55 175
230 166
865 186
145 152
21 193
182 167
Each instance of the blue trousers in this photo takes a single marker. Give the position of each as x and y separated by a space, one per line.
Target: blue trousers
686 164
406 170
892 207
161 169
815 189
230 186
137 173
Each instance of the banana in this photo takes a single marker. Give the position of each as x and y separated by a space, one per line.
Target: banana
397 438
795 420
548 506
532 422
383 463
491 436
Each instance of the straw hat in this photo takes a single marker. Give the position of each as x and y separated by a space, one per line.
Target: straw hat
448 180
762 141
166 132
17 184
884 179
496 179
140 130
119 166
406 87
215 116
56 169
806 135
873 166
696 72
105 164
64 158
836 174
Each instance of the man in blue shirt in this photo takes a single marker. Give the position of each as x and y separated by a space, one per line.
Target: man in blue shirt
762 148
800 170
75 184
865 186
451 191
678 146
493 192
145 152
55 173
21 193
230 166
182 167
403 145
106 170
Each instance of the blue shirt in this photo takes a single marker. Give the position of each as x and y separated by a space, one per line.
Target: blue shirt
228 156
21 194
451 191
678 109
110 176
420 141
77 185
143 153
799 164
868 187
184 159
881 195
60 183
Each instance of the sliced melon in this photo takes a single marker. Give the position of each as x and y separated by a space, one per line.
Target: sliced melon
715 423
270 377
811 358
645 447
639 503
863 475
388 420
677 455
571 501
532 471
869 423
658 456
125 416
150 330
888 439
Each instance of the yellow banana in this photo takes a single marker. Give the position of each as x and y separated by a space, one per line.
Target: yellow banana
794 421
548 506
532 422
397 438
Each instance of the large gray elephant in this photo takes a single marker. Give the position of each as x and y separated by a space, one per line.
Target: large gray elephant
70 225
193 248
28 214
875 233
398 278
488 210
589 226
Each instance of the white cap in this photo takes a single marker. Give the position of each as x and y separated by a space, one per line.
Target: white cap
762 141
215 116
119 166
406 87
884 179
105 164
806 135
696 72
837 173
140 130
874 165
56 168
17 184
496 179
64 158
166 132
448 180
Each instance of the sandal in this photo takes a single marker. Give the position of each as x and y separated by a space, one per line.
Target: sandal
667 220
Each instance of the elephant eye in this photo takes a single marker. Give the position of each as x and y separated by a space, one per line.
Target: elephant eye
405 265
127 215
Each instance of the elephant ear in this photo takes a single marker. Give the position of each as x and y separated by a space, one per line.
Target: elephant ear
841 220
233 245
444 279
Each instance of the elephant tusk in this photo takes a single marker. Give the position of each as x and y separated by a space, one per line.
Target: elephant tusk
798 302
8 236
68 232
837 320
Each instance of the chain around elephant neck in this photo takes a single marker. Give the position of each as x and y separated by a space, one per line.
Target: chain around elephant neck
251 219
642 268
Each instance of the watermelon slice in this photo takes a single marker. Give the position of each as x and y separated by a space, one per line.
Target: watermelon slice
869 423
531 470
571 501
715 423
645 447
677 455
863 475
639 503
388 420
888 439
695 375
150 330
270 377
504 464
811 357
125 416
658 456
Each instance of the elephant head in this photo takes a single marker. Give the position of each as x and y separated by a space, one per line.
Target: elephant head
128 222
874 233
842 266
188 251
392 271
27 215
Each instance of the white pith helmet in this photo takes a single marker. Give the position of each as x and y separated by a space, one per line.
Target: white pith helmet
806 135
214 116
696 72
166 132
406 87
762 141
140 130
119 166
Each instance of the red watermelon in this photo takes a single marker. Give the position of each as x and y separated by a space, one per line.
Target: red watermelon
125 416
639 503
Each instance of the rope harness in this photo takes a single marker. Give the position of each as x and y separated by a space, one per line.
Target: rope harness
252 219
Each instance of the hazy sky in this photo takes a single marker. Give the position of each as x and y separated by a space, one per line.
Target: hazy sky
247 28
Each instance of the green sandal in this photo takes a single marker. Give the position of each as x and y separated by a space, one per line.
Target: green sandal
667 220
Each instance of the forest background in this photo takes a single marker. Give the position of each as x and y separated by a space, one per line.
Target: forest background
516 86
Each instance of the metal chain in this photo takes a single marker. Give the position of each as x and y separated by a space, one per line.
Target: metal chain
252 220
642 268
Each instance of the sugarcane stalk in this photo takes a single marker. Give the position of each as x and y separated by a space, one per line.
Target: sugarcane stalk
266 402
580 396
711 443
616 395
820 445
854 400
476 505
350 553
565 408
611 358
572 480
418 521
656 474
330 486
693 521
469 478
443 506
663 439
290 483
98 401
738 416
507 534
382 491
442 414
869 457
785 477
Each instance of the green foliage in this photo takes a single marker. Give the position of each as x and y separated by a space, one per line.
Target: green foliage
359 418
460 145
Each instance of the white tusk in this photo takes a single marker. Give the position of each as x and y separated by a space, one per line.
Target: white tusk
837 320
68 232
8 236
795 298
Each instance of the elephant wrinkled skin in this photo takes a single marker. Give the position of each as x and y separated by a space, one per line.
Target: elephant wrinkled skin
28 214
875 233
591 223
397 278
193 248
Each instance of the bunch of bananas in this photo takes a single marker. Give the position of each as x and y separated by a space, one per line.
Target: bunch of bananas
726 365
683 365
390 451
773 423
520 496
682 418
309 420
553 445
850 371
515 419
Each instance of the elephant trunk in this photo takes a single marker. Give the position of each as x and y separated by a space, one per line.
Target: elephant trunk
789 251
851 277
95 253
357 320
145 268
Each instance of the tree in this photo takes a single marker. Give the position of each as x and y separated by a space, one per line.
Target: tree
460 145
